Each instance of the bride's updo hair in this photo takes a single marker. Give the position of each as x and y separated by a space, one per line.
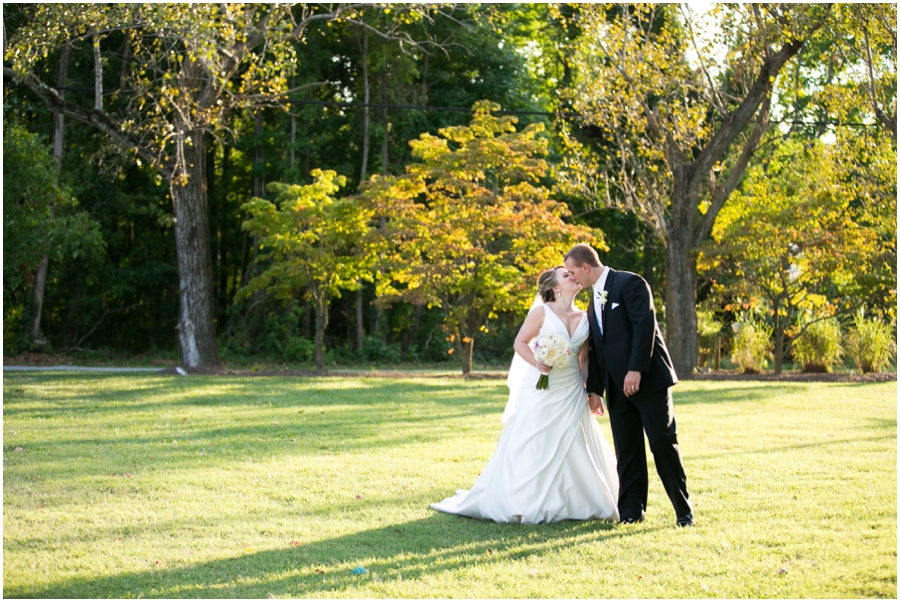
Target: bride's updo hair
546 282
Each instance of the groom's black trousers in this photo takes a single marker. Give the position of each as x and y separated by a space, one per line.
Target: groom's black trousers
651 413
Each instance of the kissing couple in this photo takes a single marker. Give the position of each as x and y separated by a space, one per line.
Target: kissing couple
552 461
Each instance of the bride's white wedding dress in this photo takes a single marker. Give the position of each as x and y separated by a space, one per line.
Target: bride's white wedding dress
552 462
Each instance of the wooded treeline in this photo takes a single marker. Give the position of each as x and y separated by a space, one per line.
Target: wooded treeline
136 137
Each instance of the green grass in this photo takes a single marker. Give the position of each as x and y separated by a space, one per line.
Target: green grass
183 487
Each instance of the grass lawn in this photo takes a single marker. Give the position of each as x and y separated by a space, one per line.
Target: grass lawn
181 487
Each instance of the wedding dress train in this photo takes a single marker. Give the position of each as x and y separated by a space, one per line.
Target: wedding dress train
552 461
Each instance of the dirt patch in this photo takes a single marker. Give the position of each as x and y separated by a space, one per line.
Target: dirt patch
818 377
332 374
43 359
37 359
875 377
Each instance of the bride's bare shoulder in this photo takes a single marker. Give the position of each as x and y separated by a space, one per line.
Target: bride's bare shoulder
536 313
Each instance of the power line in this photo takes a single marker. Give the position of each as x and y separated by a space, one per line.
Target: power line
372 105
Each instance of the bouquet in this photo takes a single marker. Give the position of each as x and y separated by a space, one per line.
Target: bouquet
553 351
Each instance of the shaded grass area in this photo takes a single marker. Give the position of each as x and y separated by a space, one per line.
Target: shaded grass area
178 487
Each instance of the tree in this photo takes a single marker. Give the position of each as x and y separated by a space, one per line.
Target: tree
309 241
791 242
40 219
864 161
186 69
674 127
864 53
470 223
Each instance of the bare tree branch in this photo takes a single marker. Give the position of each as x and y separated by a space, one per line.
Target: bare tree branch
889 122
720 195
98 119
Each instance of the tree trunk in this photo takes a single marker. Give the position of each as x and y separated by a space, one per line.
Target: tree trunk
360 331
196 321
423 89
385 127
379 308
292 152
127 55
363 172
321 325
215 227
59 143
221 236
465 358
364 166
778 335
40 279
98 75
307 320
259 183
681 282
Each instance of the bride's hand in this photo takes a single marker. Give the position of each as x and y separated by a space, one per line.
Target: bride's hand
595 402
543 368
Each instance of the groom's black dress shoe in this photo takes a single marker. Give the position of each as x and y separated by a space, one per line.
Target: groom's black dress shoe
685 521
631 520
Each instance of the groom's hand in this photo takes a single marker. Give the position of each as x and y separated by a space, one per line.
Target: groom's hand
632 383
595 402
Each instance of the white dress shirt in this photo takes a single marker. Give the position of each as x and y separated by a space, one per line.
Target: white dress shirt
598 307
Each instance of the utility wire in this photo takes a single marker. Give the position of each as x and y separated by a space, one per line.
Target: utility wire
372 105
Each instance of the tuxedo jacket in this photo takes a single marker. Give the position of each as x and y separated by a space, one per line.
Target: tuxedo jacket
631 339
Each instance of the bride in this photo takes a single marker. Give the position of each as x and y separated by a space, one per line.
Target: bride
552 462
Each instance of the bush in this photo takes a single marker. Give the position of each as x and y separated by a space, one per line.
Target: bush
819 347
871 343
298 349
752 345
708 329
380 351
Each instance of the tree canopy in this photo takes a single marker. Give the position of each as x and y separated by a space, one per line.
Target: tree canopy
469 225
650 129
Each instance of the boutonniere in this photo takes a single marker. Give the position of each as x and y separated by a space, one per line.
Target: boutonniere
601 297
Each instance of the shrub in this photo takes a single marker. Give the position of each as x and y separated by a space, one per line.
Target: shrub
380 351
819 347
708 329
871 343
298 349
752 345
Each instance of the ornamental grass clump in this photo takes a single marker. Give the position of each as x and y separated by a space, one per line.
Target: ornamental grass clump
871 343
752 345
708 331
818 349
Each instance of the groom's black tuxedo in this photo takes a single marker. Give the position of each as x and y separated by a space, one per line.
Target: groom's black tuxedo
631 340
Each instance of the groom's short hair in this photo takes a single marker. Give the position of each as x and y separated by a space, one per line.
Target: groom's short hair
584 254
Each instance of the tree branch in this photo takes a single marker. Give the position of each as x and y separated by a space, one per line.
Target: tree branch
105 313
98 119
741 116
888 122
720 195
715 98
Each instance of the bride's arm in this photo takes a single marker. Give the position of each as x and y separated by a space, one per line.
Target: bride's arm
583 358
530 329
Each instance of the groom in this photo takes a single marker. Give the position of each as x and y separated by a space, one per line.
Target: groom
629 362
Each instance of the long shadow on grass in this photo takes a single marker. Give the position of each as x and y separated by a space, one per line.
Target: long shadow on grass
156 424
199 392
171 422
402 552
